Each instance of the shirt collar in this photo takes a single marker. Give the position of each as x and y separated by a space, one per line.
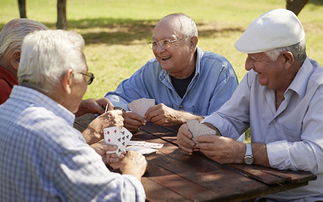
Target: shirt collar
199 55
300 81
8 76
39 99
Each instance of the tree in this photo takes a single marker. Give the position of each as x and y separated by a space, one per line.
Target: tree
22 8
61 14
296 5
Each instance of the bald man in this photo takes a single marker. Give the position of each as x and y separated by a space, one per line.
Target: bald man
186 82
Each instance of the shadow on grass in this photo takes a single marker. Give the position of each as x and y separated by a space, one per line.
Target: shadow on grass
128 31
113 30
316 2
125 31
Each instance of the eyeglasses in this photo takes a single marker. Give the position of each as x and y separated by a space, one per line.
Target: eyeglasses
89 77
166 43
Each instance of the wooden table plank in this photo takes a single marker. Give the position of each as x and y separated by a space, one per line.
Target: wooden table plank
267 173
166 133
174 171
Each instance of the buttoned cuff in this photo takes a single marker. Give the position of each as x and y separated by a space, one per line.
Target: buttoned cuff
278 154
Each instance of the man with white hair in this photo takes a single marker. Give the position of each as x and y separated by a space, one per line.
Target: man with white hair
11 37
186 82
280 99
43 158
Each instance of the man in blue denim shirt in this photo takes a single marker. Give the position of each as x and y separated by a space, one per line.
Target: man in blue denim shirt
185 82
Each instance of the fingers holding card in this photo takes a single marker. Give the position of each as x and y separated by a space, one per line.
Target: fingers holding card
141 106
197 129
117 136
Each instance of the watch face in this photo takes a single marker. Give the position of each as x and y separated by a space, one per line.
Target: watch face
248 160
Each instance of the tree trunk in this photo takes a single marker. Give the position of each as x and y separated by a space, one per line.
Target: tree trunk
296 5
22 8
61 14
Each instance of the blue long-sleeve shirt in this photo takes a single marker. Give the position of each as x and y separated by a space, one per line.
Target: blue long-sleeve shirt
212 85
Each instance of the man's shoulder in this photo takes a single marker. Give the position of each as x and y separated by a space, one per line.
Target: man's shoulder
208 55
317 74
151 68
212 60
4 85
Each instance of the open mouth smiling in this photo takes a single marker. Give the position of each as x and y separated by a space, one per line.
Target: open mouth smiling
165 58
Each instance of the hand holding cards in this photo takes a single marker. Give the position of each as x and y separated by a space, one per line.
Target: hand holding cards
121 138
117 136
141 106
197 129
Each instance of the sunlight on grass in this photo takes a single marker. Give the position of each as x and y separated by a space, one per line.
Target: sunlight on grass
116 31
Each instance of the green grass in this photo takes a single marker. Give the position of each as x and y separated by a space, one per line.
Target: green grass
116 31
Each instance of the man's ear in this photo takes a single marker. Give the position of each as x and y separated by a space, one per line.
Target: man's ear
67 81
288 59
194 41
15 59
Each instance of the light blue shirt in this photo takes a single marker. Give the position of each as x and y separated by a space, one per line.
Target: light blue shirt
212 85
43 158
293 133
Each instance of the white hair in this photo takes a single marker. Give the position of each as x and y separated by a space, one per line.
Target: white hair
47 55
187 24
298 50
13 33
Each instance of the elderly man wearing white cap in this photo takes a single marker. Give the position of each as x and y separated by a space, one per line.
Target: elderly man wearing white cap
280 99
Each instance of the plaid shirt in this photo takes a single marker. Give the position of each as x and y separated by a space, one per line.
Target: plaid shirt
43 158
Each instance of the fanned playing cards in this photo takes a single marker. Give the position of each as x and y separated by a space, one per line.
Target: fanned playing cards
141 105
121 138
117 136
197 129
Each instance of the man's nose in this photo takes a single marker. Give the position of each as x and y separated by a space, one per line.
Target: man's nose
249 66
159 48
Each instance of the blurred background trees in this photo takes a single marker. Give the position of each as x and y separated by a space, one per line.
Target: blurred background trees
294 5
61 12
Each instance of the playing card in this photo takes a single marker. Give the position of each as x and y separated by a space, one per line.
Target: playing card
142 150
141 106
145 144
197 129
117 136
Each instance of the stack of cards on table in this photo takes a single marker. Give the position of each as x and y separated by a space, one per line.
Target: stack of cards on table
143 147
117 136
197 129
141 106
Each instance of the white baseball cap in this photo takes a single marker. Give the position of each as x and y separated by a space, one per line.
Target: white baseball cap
274 29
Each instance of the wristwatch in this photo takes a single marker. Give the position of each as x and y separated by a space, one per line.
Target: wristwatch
248 157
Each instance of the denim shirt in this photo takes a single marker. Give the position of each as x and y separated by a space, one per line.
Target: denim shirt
212 85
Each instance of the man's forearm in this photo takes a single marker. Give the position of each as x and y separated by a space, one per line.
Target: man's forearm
260 154
183 117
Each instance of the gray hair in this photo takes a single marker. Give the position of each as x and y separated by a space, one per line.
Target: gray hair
298 50
13 33
47 55
187 24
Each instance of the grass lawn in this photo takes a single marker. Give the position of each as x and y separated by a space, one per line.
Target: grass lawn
117 31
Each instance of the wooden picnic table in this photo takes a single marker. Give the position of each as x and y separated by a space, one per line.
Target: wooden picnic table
175 176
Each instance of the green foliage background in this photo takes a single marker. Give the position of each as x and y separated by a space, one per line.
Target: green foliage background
117 31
